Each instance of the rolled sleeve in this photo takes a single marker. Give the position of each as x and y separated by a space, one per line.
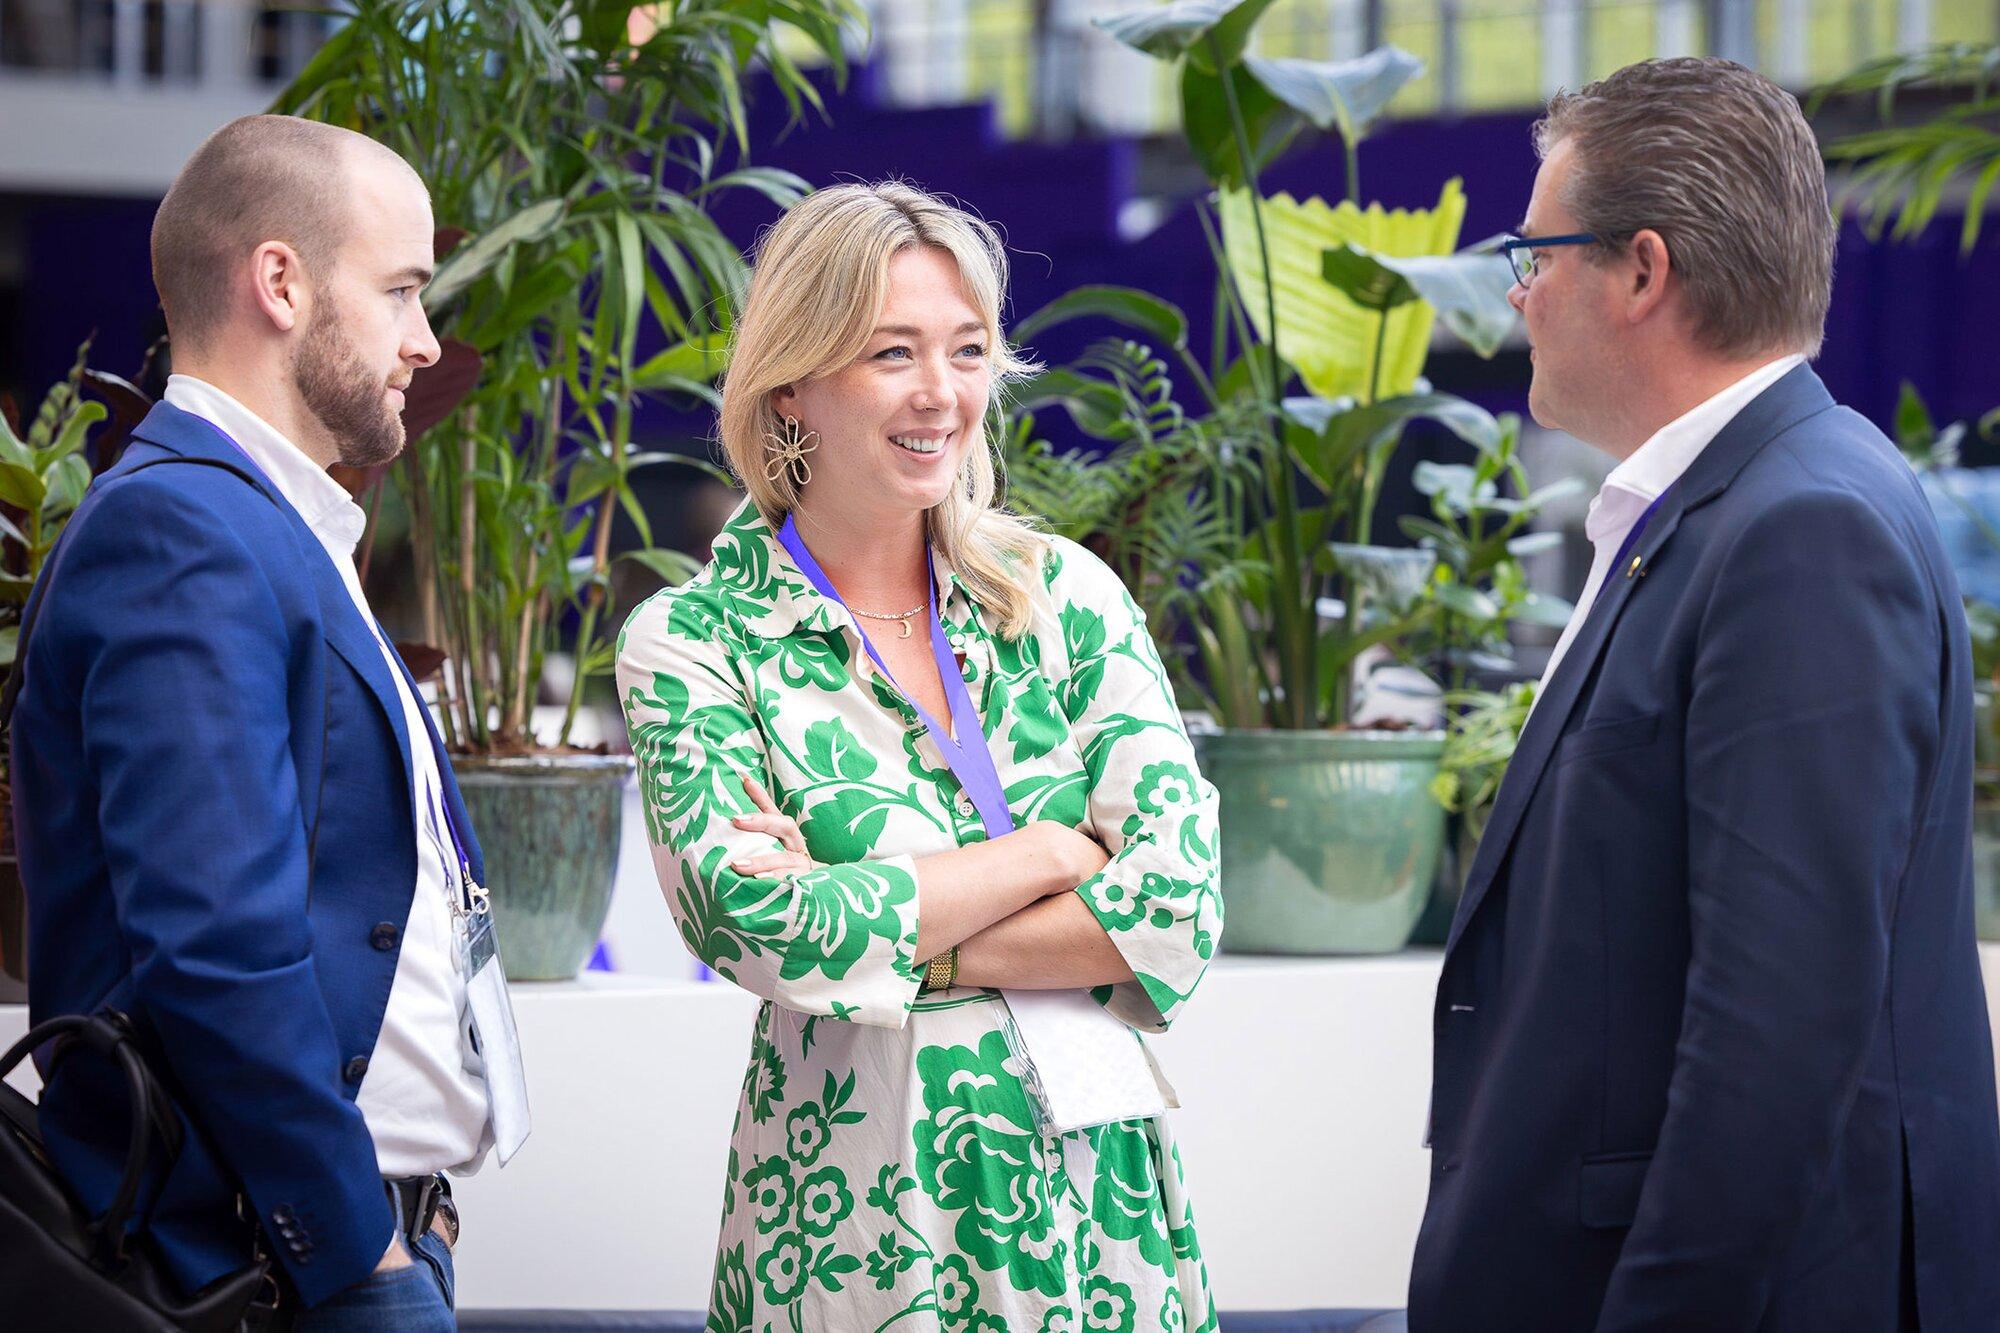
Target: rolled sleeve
837 941
1158 898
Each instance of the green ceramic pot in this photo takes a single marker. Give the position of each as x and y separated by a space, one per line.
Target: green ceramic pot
1986 867
13 933
1329 838
1985 739
548 824
1461 841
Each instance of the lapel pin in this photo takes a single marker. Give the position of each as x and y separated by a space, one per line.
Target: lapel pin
1634 569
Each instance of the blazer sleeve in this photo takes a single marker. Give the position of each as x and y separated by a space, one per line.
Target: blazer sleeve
1159 897
173 632
1812 729
839 940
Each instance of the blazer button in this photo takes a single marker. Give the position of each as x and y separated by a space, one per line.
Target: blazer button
356 1068
282 1214
384 936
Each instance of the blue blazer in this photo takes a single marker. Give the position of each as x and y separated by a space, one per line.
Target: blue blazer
212 804
1711 1042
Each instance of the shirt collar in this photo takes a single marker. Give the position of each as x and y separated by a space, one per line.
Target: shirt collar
1660 461
774 595
321 501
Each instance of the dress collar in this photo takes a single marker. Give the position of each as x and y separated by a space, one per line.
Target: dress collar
774 595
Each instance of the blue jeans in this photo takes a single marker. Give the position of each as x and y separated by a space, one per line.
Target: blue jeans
417 1299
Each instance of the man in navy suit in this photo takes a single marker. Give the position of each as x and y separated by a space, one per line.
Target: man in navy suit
1711 1043
234 816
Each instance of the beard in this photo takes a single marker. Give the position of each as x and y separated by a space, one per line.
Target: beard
347 397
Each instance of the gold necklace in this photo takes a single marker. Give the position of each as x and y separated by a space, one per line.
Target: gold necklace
903 616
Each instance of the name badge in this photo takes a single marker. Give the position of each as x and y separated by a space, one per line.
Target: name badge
493 1048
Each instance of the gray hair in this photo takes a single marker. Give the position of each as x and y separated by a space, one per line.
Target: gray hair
1720 162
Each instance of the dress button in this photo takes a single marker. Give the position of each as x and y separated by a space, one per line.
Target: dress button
356 1068
384 936
282 1214
965 803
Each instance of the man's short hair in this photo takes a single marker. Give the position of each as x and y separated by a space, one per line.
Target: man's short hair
1720 162
257 179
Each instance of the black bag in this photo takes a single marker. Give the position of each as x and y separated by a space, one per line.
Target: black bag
60 1268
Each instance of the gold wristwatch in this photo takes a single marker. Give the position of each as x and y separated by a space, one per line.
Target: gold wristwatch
940 972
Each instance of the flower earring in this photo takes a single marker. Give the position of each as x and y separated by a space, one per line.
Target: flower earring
788 452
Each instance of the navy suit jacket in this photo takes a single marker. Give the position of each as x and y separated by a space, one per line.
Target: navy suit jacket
1711 1042
212 803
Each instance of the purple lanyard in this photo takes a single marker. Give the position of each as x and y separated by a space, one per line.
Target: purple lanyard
451 825
969 759
1638 530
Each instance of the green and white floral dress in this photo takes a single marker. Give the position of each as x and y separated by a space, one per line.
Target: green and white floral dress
885 1170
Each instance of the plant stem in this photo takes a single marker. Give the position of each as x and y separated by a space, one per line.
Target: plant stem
1353 156
593 601
1292 600
478 728
1364 517
517 710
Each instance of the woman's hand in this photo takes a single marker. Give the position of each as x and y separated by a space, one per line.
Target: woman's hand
1071 857
793 860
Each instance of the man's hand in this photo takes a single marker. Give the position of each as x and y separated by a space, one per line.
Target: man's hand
397 1257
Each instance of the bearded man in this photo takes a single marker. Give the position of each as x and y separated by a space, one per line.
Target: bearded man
237 826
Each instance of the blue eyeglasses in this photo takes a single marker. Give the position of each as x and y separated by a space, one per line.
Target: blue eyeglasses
1521 251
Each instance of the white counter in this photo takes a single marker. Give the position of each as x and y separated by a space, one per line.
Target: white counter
1303 1088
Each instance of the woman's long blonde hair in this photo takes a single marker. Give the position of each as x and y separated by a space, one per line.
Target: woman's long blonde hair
816 288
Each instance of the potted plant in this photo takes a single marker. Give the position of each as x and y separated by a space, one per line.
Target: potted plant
571 148
1248 521
44 471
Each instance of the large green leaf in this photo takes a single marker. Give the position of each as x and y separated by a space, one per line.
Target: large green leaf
14 449
471 260
1323 331
524 300
673 566
1393 576
1334 433
1097 407
21 486
67 481
1343 96
1269 125
1168 31
1125 305
1467 290
70 438
697 360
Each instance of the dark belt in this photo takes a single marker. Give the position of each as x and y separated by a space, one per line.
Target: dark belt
419 1201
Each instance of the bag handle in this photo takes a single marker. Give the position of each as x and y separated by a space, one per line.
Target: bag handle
110 1034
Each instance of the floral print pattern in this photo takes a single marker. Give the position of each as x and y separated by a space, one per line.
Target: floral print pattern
885 1169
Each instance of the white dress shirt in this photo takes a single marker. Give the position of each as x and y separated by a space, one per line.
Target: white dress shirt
1644 476
423 1108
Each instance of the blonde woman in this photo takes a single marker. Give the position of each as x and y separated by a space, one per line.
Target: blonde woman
899 751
